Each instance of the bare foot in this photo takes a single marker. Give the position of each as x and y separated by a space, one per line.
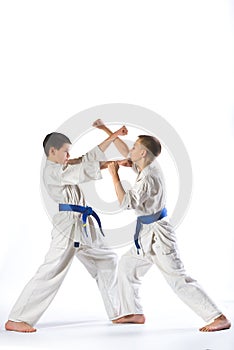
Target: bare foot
98 123
19 327
139 319
219 324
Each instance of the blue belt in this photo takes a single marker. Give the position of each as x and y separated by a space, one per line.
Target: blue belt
147 219
86 211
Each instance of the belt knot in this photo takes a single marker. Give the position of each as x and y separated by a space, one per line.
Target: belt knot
88 211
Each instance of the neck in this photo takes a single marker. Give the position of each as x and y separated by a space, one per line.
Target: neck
142 163
53 159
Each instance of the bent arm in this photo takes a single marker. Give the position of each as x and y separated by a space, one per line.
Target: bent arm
80 173
94 154
122 162
120 193
113 169
106 143
119 144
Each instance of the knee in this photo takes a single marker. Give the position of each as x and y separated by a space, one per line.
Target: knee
181 282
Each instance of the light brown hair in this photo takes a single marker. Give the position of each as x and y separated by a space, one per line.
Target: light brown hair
151 143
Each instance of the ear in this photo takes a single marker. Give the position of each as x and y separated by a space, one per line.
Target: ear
52 151
143 153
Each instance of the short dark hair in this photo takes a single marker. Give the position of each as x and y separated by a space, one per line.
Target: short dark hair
56 140
151 143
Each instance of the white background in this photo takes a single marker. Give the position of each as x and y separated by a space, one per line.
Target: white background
61 57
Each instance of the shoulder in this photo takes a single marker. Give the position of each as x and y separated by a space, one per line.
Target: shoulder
155 170
154 175
52 169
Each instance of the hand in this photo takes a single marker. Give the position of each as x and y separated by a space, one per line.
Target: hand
98 123
125 162
122 131
113 168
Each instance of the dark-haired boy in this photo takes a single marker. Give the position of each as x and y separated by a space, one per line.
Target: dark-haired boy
74 234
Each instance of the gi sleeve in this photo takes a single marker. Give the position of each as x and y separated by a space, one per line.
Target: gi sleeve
140 195
79 173
94 154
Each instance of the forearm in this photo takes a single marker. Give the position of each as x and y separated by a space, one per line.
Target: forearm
104 165
122 162
105 144
118 188
121 146
75 161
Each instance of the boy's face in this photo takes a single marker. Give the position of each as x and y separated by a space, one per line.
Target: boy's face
61 155
137 151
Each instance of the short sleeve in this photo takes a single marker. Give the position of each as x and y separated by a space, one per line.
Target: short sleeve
140 196
79 173
135 196
94 154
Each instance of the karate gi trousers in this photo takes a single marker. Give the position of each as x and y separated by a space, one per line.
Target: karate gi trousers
37 295
158 247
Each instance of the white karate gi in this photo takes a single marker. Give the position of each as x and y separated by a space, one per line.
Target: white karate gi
101 262
158 246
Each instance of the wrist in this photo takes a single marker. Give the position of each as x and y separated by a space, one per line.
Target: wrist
115 177
113 136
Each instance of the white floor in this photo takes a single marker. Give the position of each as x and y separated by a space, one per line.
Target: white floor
76 319
175 330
